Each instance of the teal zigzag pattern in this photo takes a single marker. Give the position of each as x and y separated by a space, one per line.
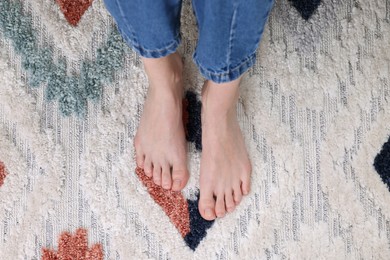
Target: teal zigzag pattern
71 91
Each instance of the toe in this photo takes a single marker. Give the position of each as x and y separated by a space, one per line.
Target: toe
148 167
245 185
229 201
237 195
220 205
179 177
139 154
157 174
166 176
207 205
139 158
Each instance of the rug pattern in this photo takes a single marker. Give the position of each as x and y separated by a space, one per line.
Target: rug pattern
313 109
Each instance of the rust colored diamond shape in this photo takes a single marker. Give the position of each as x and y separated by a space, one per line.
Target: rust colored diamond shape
74 9
3 173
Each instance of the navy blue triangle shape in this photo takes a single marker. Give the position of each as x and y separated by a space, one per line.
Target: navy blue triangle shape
382 163
198 225
306 7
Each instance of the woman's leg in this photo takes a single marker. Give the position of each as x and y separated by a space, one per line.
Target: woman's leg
152 29
229 35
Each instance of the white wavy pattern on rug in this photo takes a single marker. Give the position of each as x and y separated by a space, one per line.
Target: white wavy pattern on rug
313 123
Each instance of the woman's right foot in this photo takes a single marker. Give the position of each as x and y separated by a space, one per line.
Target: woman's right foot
160 141
225 167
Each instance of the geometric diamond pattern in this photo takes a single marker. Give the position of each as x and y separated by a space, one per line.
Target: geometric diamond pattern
3 173
73 10
306 7
313 113
382 163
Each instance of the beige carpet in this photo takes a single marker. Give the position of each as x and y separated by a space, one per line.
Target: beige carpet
314 110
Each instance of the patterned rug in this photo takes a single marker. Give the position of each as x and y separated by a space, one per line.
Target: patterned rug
314 111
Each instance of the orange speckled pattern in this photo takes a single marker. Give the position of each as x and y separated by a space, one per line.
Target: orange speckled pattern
74 9
3 173
74 248
173 203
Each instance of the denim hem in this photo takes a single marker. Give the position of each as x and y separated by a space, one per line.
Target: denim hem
157 53
231 73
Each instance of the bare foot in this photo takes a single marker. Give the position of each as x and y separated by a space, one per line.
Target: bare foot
225 166
160 142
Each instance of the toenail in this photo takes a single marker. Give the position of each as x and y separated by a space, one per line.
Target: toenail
209 213
166 185
176 184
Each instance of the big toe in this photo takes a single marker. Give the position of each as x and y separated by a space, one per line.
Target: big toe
207 205
179 178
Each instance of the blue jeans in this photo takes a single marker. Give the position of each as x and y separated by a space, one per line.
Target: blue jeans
229 31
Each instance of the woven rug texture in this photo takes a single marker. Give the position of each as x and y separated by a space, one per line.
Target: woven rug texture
314 111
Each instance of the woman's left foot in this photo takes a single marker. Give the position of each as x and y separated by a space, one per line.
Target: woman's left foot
225 166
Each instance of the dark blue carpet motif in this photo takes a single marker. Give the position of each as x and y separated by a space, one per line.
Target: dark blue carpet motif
382 163
306 7
198 225
194 125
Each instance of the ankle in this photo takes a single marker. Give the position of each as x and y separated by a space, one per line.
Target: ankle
218 113
165 76
164 70
166 93
220 101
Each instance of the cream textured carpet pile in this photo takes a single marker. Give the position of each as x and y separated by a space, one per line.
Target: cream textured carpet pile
315 113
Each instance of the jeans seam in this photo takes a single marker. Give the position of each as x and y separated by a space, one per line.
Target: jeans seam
127 24
232 32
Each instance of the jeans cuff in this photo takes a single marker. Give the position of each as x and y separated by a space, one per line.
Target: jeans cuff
156 53
229 74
